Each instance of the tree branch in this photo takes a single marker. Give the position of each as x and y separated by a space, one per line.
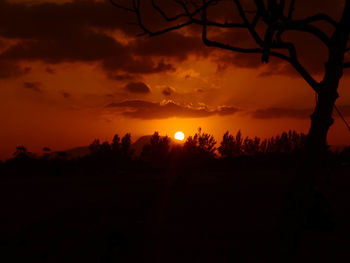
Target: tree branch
251 27
304 27
211 43
275 21
291 10
320 17
121 6
221 25
164 15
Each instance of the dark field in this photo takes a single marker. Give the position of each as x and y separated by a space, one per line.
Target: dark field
216 216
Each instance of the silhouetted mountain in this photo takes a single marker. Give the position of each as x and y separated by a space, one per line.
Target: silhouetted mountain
82 151
140 143
76 152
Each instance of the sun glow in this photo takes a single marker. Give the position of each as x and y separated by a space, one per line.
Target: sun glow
179 135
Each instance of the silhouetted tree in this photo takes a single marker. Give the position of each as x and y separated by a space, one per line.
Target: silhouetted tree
251 146
126 150
200 144
290 142
47 152
62 155
105 148
287 142
157 150
113 151
21 151
345 156
116 145
46 149
267 22
95 146
231 146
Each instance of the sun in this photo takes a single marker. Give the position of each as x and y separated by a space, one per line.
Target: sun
179 136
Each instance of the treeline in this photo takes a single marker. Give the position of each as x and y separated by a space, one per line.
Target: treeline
159 153
205 144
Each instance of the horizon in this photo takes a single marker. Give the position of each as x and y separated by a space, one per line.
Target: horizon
135 139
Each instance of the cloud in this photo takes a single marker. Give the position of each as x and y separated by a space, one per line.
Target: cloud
50 70
137 87
85 31
167 91
80 45
66 95
121 77
281 68
253 61
135 65
35 86
9 69
140 109
49 20
172 44
80 37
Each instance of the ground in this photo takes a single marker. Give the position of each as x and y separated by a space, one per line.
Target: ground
212 216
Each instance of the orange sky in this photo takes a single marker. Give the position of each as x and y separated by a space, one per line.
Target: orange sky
68 77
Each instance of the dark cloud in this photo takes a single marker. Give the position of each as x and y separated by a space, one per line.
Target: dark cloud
311 52
35 86
172 44
121 77
52 20
226 110
77 46
50 70
77 31
9 69
313 62
66 95
148 110
135 66
226 61
167 91
137 87
282 68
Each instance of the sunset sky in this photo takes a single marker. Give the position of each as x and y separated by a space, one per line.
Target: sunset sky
73 71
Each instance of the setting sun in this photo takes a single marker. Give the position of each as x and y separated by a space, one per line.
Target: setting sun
179 136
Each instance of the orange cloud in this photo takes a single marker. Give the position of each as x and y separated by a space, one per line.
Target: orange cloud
149 110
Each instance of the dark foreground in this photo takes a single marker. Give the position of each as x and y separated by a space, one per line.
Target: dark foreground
166 217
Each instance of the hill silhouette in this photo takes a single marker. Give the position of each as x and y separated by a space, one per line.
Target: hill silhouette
81 151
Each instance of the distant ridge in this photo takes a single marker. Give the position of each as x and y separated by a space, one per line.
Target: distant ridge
82 151
76 152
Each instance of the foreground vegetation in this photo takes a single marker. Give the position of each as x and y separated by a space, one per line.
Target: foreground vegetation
199 201
200 151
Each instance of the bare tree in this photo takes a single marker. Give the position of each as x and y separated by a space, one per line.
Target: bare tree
267 23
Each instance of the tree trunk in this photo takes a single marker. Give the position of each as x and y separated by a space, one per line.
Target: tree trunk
321 119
